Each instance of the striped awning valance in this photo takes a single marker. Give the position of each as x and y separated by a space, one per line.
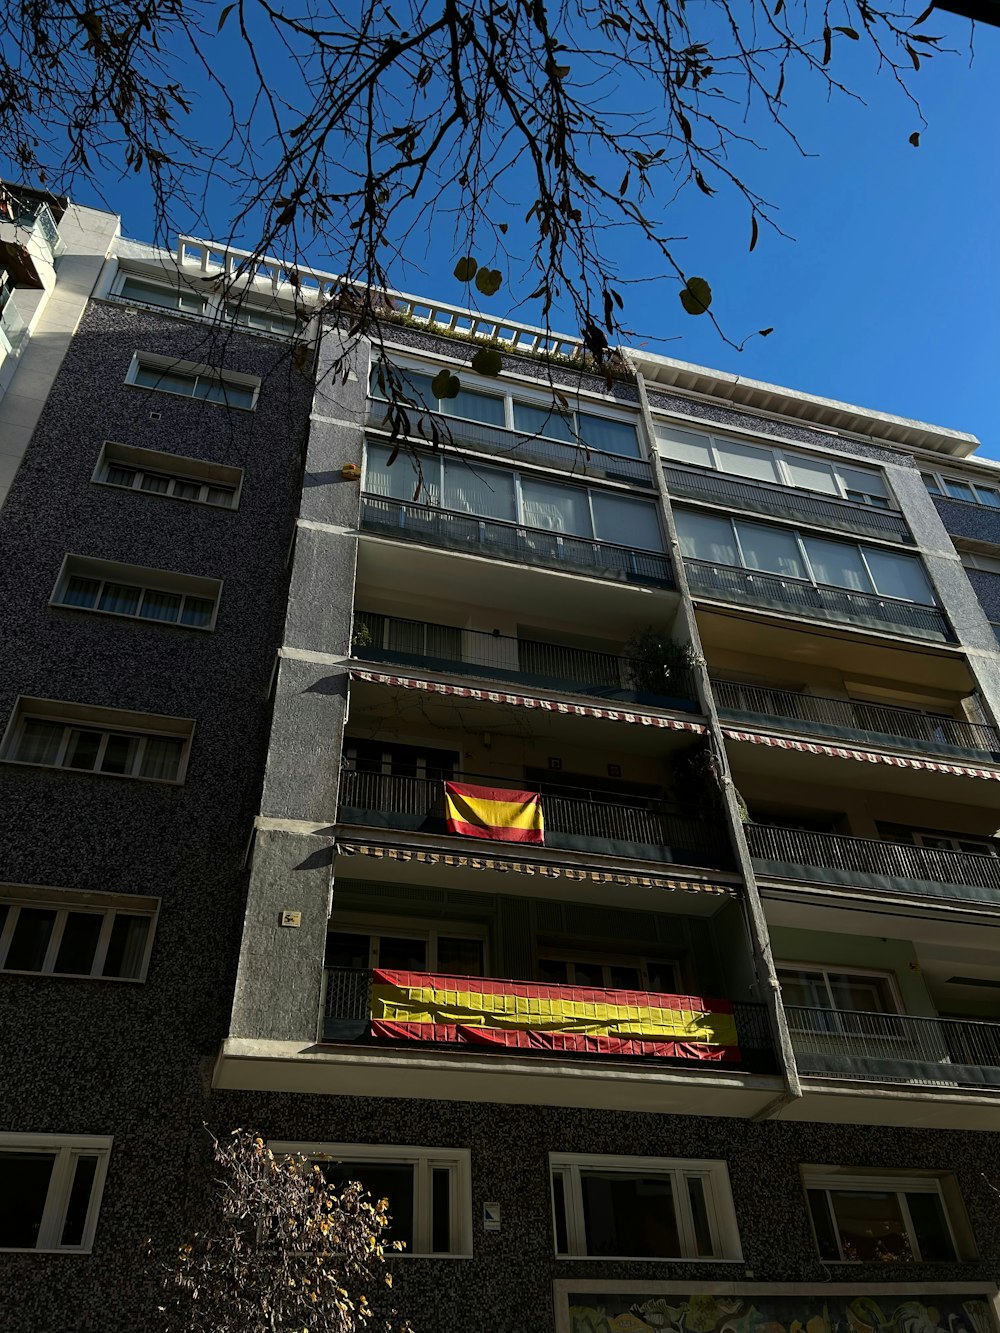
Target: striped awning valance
867 756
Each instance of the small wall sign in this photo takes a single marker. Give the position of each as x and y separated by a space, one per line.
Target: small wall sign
291 918
491 1217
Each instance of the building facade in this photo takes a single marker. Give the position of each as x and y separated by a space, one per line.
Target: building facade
582 832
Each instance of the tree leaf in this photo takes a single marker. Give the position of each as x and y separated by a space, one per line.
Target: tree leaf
624 185
924 16
849 32
502 228
765 332
561 71
685 125
703 184
696 296
465 269
779 7
489 281
754 231
224 15
827 45
914 139
487 361
445 385
913 56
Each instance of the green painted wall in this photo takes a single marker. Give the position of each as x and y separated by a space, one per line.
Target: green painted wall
870 953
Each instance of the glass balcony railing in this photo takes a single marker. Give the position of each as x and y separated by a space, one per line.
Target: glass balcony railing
847 718
515 446
575 819
373 1008
13 329
43 227
787 502
500 657
832 858
729 583
895 1048
501 540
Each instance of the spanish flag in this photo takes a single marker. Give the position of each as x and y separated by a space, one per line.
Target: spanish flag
527 1015
495 813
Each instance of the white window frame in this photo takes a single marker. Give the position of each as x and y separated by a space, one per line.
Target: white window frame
196 373
145 580
782 458
899 1183
163 283
64 901
941 480
927 838
347 923
68 1148
605 961
980 562
714 1177
111 721
214 303
458 1162
825 970
803 554
192 471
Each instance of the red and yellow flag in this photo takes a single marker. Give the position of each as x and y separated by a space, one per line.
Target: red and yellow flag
484 1011
495 813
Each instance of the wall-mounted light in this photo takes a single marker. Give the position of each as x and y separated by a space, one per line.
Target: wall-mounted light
351 472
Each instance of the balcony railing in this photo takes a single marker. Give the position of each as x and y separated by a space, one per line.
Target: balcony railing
501 540
896 1048
575 819
797 596
787 502
347 1017
500 657
13 329
849 718
831 858
581 460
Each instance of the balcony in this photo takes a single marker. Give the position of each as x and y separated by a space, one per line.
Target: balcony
727 583
499 657
513 446
13 329
500 540
831 858
29 235
848 719
789 502
410 1009
895 1048
575 820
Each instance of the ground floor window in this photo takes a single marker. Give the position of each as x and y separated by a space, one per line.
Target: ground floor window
50 1190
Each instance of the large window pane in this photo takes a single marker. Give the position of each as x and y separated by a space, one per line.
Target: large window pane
860 479
556 508
458 957
24 1185
930 1228
81 592
485 491
627 522
684 446
899 575
547 421
473 406
861 994
399 482
160 605
612 437
152 377
382 1180
405 955
811 474
746 460
415 387
837 564
79 942
162 758
772 550
120 598
871 1225
119 754
959 490
126 946
629 1216
823 1224
78 1206
31 939
344 949
40 741
83 749
705 537
806 989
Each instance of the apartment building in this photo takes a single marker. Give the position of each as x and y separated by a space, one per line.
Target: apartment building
583 832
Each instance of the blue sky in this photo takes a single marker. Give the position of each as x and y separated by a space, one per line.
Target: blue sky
889 294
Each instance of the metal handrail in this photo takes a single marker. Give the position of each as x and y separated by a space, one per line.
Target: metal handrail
732 583
787 502
809 711
503 540
808 850
503 657
856 1044
580 459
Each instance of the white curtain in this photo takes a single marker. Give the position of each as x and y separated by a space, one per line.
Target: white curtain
746 460
485 491
162 758
704 537
837 564
772 550
899 575
626 522
555 508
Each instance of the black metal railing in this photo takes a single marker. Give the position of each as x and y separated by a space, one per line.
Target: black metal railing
895 1047
347 1008
575 819
513 541
380 638
810 712
515 446
812 853
787 502
732 584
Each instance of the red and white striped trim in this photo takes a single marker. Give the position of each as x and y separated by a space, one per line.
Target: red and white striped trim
526 701
868 756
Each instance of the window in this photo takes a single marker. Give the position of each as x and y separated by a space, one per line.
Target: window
955 488
132 288
957 842
889 1218
264 319
603 434
556 967
428 1189
761 462
50 1191
985 564
178 478
406 948
791 554
205 383
469 404
844 990
514 497
396 760
642 1208
136 592
70 934
111 741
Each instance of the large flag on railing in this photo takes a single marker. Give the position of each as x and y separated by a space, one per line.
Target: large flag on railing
495 813
482 1011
